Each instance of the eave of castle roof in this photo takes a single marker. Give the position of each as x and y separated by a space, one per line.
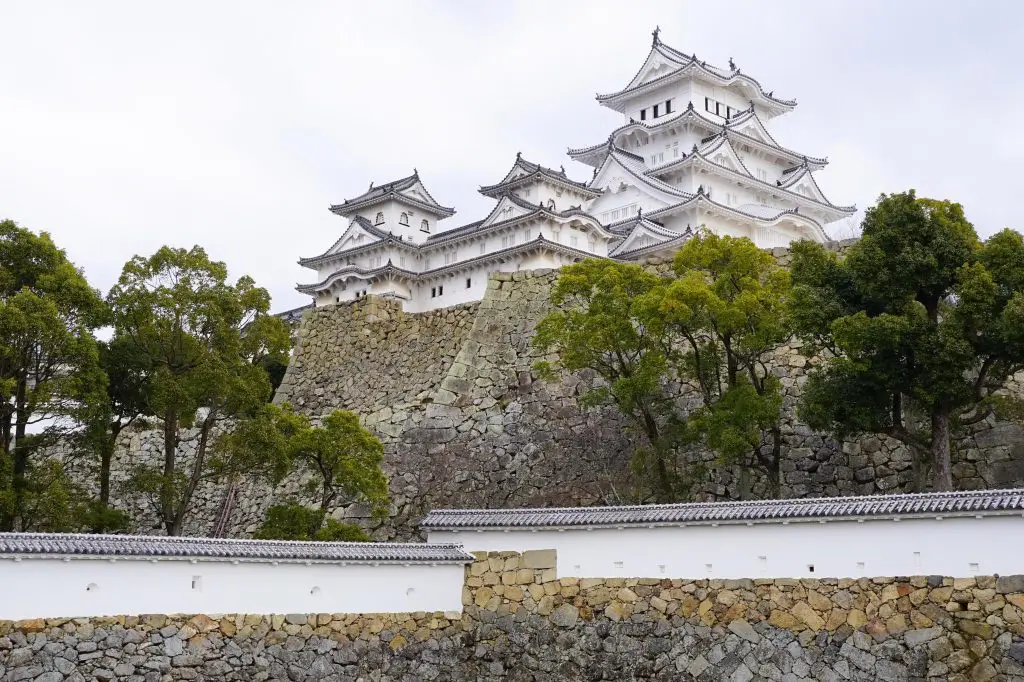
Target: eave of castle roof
928 505
689 64
392 190
41 545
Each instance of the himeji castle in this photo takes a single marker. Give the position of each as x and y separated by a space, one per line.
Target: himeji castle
694 151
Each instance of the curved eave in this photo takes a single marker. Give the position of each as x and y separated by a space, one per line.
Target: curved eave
347 209
393 240
391 270
495 191
654 183
811 202
594 155
616 100
356 271
642 251
703 202
848 210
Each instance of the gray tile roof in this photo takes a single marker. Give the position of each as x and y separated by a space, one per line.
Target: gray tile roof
987 502
141 546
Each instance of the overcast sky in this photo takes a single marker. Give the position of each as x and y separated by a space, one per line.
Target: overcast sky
128 125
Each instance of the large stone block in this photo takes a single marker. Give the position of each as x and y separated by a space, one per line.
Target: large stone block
539 558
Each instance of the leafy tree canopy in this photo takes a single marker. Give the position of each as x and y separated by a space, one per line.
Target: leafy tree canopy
340 457
49 369
203 341
923 323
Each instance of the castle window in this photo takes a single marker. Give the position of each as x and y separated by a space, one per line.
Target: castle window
469 282
707 104
425 226
403 219
551 204
592 245
527 234
655 111
440 290
380 218
668 106
433 292
483 248
762 175
643 114
573 240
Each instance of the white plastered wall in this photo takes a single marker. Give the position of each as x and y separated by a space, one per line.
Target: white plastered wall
55 588
957 547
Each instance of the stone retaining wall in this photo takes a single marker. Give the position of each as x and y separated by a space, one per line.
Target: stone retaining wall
523 622
466 422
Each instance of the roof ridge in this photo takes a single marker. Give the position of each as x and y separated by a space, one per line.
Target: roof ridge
739 503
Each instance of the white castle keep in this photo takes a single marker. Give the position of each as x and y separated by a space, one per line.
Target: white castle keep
693 151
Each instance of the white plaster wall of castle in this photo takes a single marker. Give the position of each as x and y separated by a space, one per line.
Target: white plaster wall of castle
77 587
962 546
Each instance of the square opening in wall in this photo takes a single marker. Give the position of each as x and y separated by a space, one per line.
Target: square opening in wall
197 583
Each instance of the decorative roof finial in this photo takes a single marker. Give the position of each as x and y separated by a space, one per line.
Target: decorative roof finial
689 105
694 150
732 64
640 213
562 167
700 189
519 155
414 171
371 184
657 39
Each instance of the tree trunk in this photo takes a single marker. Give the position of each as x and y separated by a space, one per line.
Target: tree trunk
20 454
106 455
194 477
167 485
774 465
665 492
942 472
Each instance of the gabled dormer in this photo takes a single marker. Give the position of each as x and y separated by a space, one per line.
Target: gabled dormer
402 207
540 185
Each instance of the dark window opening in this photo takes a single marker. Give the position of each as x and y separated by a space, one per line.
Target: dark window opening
425 226
433 292
655 110
380 219
469 283
440 290
643 114
668 106
707 104
404 219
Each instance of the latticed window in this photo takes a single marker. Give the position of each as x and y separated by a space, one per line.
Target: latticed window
403 219
424 226
380 218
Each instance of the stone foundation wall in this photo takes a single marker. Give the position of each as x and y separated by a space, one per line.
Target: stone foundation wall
523 622
466 422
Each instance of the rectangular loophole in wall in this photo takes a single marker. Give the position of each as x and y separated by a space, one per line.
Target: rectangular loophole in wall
197 583
973 567
617 564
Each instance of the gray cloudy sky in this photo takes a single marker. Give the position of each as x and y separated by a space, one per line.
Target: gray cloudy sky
128 125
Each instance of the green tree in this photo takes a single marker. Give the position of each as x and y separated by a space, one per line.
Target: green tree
340 458
921 324
203 342
298 522
605 322
49 370
126 370
726 310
